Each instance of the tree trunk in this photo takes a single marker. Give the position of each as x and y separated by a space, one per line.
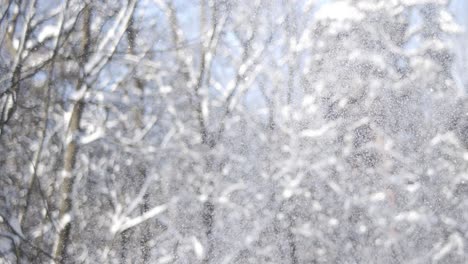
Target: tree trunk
208 217
292 241
63 240
66 192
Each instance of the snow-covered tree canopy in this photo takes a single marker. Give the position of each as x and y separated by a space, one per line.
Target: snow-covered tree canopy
218 131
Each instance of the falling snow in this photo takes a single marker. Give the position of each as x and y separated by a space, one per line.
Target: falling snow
216 131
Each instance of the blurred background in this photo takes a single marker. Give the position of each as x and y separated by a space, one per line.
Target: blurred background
233 131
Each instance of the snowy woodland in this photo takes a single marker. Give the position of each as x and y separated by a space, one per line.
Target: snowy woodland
233 131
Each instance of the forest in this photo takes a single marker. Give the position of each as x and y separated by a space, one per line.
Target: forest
233 131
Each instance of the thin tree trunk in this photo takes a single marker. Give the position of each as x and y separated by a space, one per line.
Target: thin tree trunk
67 185
292 241
63 240
124 245
208 217
208 210
145 236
